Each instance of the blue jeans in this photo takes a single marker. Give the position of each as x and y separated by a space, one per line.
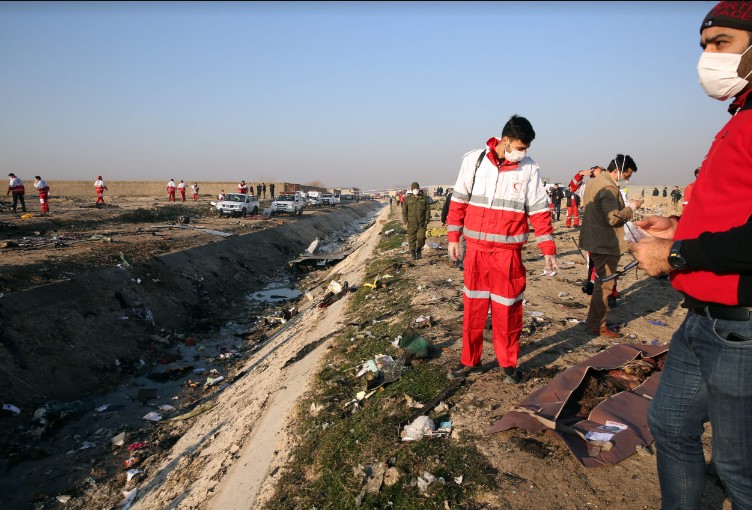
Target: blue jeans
706 377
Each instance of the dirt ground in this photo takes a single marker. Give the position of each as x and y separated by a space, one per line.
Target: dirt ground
230 453
78 237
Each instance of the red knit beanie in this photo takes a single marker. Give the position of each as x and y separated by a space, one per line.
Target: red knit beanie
736 15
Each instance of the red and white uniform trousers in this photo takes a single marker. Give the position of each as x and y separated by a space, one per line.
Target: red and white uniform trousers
170 193
573 213
494 278
44 194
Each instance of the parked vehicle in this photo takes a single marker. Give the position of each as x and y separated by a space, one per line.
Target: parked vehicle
330 199
289 204
238 204
314 200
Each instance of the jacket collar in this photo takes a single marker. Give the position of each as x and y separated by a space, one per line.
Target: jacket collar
741 103
502 165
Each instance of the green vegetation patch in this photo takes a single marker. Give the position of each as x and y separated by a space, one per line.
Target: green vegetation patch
340 439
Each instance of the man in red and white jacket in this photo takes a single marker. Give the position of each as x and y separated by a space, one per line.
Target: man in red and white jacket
44 193
708 253
181 189
171 191
99 186
497 191
16 187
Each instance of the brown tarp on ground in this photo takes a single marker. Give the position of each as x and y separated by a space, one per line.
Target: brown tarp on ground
542 410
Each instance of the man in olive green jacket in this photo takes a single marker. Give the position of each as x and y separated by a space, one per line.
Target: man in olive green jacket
416 213
602 235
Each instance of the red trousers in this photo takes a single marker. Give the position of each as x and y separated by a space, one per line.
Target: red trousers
495 279
170 195
195 197
182 194
43 201
100 196
573 212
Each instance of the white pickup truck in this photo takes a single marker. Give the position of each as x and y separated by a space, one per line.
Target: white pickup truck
314 199
289 204
330 199
238 204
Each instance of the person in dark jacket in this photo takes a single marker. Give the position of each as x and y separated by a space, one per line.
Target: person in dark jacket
656 192
416 213
557 195
665 192
708 254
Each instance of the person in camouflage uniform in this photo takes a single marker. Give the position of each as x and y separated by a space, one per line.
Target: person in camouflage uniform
416 213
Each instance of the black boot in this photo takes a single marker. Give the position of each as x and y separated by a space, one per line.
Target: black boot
418 253
415 254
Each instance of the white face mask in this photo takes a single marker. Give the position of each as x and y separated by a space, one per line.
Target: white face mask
514 156
718 75
416 191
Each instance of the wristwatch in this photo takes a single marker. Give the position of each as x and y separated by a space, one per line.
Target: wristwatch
675 258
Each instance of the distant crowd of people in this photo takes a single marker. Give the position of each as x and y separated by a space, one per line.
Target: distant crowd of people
17 191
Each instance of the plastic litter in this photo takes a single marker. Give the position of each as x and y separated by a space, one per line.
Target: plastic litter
546 272
13 409
131 473
102 408
656 323
132 461
137 446
536 314
369 365
118 440
153 416
422 426
425 480
423 321
213 381
334 287
414 344
130 497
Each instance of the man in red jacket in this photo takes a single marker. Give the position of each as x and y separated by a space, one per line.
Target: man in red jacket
708 253
497 191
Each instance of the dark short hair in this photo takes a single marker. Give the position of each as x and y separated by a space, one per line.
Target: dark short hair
518 128
622 162
697 171
11 174
37 177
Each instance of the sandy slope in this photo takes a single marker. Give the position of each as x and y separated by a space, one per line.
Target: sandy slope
226 455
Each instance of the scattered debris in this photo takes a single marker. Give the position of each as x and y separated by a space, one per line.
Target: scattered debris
13 409
153 416
656 323
420 427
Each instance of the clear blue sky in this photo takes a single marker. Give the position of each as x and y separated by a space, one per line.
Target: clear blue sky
371 95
